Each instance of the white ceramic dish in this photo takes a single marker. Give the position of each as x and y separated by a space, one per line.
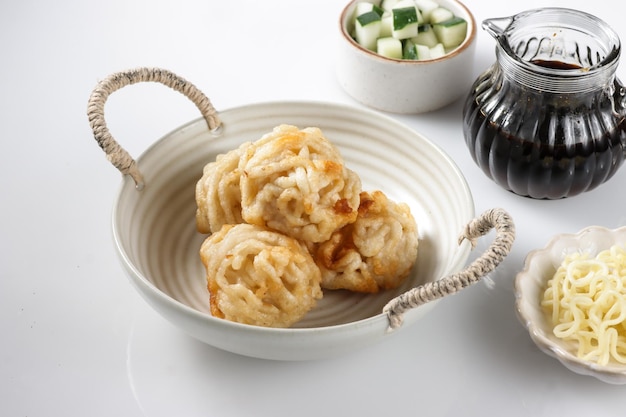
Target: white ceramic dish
403 86
155 231
530 283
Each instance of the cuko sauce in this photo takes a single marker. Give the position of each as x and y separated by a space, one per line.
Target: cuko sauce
543 124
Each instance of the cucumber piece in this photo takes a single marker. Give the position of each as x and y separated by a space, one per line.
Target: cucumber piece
440 14
415 51
423 52
451 33
408 50
388 4
410 3
425 7
386 25
363 7
389 47
405 22
367 29
368 18
404 3
437 51
426 36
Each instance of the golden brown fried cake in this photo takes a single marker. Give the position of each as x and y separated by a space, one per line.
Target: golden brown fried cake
218 196
374 253
258 276
294 181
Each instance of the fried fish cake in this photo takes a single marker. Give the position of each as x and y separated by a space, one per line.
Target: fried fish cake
294 181
374 253
218 194
258 276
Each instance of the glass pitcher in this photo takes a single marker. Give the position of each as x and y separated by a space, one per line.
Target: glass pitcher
546 120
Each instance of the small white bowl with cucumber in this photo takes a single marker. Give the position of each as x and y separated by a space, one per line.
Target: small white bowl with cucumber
406 56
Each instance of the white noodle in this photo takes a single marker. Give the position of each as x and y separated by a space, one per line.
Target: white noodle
586 300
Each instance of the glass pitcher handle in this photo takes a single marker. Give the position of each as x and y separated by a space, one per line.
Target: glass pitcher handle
621 95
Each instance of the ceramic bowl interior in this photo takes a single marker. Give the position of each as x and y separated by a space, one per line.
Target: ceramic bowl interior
155 234
530 283
405 86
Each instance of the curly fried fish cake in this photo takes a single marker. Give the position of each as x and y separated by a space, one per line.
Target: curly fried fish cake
218 194
258 276
294 181
374 253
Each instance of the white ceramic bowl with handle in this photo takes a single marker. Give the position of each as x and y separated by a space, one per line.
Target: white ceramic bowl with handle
405 86
155 232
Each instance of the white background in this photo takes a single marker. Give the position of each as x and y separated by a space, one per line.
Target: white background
77 340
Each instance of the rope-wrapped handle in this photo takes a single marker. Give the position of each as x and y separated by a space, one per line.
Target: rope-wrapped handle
117 155
487 262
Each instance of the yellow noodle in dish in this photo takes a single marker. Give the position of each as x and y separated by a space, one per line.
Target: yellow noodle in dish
586 300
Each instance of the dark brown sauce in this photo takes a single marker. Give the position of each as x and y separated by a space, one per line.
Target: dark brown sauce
558 65
534 153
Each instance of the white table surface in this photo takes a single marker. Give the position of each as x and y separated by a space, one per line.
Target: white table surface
77 340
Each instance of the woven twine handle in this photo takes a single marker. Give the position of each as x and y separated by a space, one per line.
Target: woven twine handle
487 262
118 156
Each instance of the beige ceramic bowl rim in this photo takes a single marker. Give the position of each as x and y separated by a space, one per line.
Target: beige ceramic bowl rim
614 373
469 39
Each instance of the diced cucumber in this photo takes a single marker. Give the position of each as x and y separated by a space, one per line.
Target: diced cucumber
451 33
423 52
386 25
389 47
401 4
367 29
414 51
398 29
410 3
408 50
426 6
363 7
437 51
440 14
426 36
405 22
368 18
388 4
